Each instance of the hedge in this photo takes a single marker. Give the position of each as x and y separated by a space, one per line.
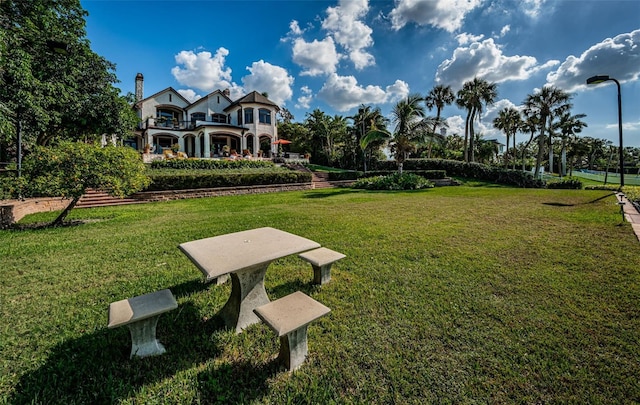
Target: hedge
210 164
456 168
181 181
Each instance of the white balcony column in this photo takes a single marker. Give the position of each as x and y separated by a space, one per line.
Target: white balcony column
198 152
181 144
207 145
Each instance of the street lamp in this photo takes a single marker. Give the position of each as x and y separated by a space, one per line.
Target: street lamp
604 78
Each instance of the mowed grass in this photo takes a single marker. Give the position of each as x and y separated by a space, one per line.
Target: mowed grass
447 295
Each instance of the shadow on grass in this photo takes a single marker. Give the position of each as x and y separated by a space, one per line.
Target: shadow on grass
330 193
558 204
95 368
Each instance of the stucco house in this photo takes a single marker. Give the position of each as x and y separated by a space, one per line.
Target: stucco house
208 126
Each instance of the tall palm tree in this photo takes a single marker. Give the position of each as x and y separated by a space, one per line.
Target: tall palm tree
473 96
410 128
569 125
546 103
509 122
363 121
438 97
530 124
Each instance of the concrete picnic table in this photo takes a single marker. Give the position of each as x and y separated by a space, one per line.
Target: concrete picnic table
245 256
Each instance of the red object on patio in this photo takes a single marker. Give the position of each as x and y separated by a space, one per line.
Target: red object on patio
281 142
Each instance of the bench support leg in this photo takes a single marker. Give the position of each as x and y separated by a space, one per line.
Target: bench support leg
143 338
321 274
293 348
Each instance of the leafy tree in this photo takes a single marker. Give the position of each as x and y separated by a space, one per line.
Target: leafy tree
569 126
365 120
410 128
438 97
69 169
509 122
473 96
53 85
545 104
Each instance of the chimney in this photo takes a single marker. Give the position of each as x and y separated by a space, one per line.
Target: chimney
139 87
226 92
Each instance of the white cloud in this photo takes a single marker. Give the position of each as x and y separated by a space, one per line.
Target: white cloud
202 70
465 38
505 30
532 8
485 60
269 78
190 95
304 101
344 92
344 24
317 57
294 28
444 14
617 57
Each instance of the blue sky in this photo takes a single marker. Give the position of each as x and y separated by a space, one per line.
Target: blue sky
336 55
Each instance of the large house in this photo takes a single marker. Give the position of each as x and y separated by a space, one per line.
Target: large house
207 127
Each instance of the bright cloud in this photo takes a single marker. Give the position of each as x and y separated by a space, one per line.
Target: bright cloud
618 57
344 92
317 57
190 95
445 14
344 24
486 60
202 70
274 80
304 101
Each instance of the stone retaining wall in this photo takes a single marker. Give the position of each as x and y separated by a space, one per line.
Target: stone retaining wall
167 195
12 211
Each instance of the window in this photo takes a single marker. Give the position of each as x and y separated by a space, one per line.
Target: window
240 117
265 116
198 116
219 118
248 116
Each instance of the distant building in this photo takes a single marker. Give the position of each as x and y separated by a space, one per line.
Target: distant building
207 126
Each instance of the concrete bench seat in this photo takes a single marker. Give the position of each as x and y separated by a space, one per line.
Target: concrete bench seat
321 260
141 315
289 317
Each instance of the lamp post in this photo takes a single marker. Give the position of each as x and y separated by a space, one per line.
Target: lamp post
604 78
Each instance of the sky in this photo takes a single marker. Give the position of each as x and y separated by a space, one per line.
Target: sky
336 55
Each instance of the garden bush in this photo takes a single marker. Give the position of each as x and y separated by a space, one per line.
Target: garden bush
573 184
427 174
396 181
478 171
210 164
184 179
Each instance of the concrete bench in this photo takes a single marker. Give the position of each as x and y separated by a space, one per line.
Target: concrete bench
289 317
321 260
141 315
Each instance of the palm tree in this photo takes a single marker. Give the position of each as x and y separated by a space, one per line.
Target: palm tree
530 124
438 97
473 96
569 125
410 129
509 122
547 103
366 119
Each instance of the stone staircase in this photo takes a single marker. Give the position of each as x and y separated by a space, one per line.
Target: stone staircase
320 180
97 198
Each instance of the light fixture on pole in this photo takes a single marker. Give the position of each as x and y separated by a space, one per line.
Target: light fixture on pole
601 79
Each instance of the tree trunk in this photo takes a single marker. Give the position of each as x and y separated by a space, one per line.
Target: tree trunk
58 221
466 138
540 153
472 156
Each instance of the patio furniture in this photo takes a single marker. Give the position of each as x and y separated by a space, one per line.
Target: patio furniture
141 315
245 256
289 317
321 260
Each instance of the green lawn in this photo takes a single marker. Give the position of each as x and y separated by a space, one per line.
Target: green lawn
447 295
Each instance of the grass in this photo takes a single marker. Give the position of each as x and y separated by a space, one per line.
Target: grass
447 295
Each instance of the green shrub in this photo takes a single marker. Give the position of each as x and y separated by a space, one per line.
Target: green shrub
346 175
210 164
632 193
182 180
571 183
427 174
478 171
396 181
610 187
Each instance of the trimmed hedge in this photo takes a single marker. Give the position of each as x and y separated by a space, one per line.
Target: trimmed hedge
478 171
569 184
183 180
210 164
394 181
427 174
